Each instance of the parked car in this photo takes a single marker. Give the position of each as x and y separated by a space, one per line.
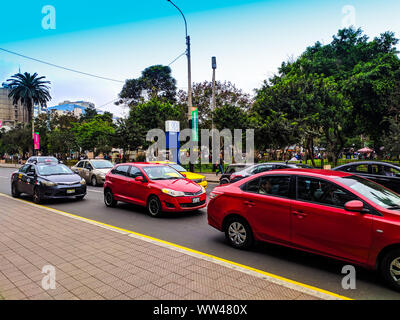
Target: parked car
158 187
93 171
195 177
384 173
262 167
232 169
47 181
332 213
42 159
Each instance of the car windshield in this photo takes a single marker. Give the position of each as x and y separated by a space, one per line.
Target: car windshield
49 170
177 167
162 173
373 191
46 159
101 164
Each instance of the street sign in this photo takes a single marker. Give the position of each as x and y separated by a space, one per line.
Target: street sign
195 124
36 141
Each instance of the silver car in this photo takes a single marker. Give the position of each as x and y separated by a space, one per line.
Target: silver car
93 171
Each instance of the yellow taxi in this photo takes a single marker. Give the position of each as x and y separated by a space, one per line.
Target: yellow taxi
195 177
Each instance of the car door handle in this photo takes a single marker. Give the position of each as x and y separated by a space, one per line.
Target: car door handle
249 203
299 214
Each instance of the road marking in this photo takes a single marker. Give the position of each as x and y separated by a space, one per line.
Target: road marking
94 190
288 283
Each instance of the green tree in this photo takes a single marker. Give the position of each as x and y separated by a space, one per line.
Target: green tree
155 82
29 90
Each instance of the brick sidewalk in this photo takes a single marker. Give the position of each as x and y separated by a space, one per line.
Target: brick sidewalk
94 262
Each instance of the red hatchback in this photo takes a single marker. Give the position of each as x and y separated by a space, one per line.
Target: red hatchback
331 213
160 188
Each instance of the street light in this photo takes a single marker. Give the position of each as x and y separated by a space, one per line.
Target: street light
190 104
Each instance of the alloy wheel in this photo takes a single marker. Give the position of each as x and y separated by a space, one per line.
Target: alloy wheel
237 233
395 270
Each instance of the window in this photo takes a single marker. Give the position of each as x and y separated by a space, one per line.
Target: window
88 166
80 164
252 186
262 168
31 170
269 185
383 170
24 168
322 192
362 168
121 170
275 186
135 172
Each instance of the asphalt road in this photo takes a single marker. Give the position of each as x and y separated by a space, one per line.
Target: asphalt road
191 230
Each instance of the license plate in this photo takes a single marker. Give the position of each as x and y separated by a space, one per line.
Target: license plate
195 200
70 191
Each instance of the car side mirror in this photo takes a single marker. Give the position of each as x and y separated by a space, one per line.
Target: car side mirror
139 179
354 206
184 174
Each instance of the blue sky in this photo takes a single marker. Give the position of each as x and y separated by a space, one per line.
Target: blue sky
118 39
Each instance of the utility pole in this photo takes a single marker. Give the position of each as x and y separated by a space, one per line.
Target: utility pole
213 105
189 102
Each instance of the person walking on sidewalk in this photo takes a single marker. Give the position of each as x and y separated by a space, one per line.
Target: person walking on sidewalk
220 165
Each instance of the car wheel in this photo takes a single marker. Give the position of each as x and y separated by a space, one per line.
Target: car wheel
390 268
224 181
109 199
94 181
154 206
238 233
36 196
14 191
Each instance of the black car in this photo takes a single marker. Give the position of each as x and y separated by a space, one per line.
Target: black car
384 173
47 181
231 169
41 159
262 167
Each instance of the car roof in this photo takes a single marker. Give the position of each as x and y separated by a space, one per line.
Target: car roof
368 162
317 173
142 164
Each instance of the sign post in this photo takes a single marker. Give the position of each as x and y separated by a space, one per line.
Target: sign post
36 141
195 124
172 129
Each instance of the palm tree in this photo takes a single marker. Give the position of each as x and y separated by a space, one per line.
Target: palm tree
29 90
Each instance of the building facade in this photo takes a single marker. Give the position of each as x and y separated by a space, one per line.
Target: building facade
11 114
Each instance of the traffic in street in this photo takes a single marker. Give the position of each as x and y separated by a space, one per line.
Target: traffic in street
191 230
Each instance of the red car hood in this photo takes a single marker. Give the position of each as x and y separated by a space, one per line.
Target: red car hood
184 185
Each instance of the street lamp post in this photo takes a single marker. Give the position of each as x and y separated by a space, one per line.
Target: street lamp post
189 102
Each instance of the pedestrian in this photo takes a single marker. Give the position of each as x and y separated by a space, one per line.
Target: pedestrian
220 165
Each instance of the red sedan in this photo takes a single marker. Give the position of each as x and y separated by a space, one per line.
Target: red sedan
160 188
331 213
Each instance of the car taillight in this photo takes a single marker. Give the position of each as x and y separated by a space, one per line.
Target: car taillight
214 194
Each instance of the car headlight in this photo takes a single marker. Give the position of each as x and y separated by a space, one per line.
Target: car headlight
203 189
173 193
83 182
49 183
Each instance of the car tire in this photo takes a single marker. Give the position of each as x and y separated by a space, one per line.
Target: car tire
94 181
14 191
238 233
390 268
224 181
36 196
154 206
109 199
